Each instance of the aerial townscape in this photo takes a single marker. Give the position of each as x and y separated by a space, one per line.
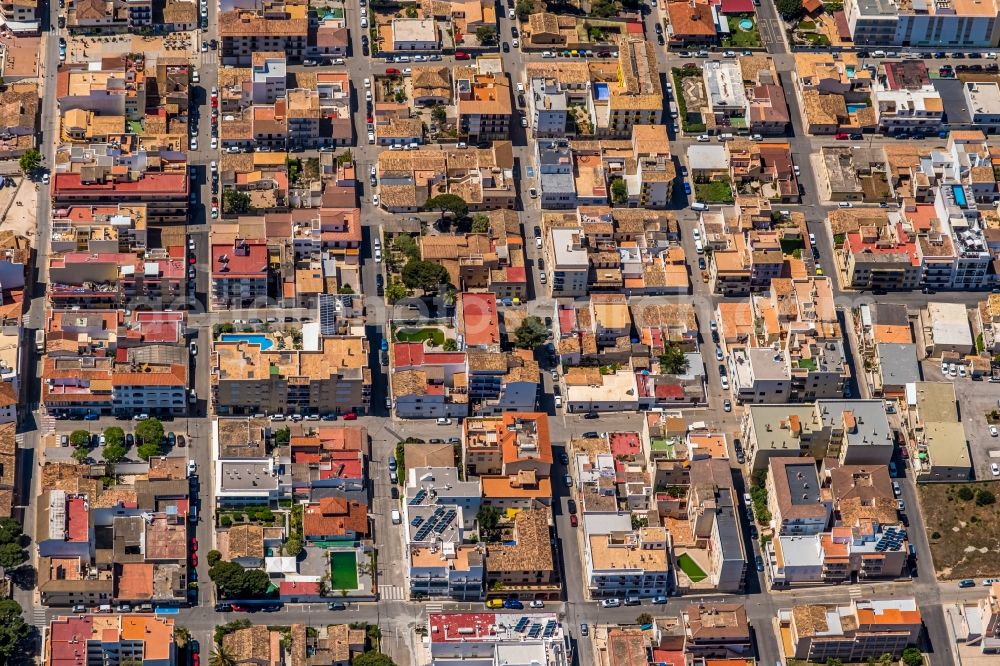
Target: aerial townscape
509 333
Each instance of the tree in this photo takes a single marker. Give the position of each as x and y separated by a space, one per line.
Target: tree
149 450
79 438
282 437
10 531
345 157
149 430
985 498
235 582
293 546
439 114
524 9
488 518
234 201
404 244
11 555
13 628
834 662
213 557
114 452
221 657
80 454
114 435
448 203
372 658
346 289
673 361
395 292
789 9
486 35
619 192
965 493
912 656
603 8
644 618
480 223
531 333
30 161
449 345
425 275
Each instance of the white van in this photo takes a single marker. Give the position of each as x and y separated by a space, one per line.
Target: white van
697 205
396 520
698 247
725 137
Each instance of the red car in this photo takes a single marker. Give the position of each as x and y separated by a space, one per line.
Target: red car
391 70
194 544
194 559
195 659
840 136
462 55
573 521
239 609
350 416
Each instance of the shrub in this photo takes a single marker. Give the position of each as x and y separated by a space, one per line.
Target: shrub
226 521
965 493
985 498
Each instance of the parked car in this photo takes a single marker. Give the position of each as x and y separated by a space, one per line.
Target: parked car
610 603
336 606
967 582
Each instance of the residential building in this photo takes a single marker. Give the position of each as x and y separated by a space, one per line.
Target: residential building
716 631
524 565
113 640
428 384
714 523
492 639
636 98
859 630
945 328
438 510
255 377
939 449
243 33
620 561
881 258
415 34
794 496
483 103
857 432
570 265
884 23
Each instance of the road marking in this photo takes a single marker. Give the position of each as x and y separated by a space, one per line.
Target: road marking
854 591
434 608
39 617
391 593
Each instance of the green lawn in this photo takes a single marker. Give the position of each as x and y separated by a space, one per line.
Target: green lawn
740 39
717 191
691 568
421 335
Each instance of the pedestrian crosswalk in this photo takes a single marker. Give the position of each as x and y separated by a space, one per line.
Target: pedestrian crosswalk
210 58
434 608
48 424
39 617
855 591
391 593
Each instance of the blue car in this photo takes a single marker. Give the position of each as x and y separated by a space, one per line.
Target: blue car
687 188
513 604
91 417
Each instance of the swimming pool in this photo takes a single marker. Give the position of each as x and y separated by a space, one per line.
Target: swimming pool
262 340
746 25
959 195
854 108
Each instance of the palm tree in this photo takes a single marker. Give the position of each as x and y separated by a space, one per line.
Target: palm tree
221 657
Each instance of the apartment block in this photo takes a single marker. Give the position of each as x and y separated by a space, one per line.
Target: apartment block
862 629
254 377
620 561
111 640
794 496
244 33
885 23
493 639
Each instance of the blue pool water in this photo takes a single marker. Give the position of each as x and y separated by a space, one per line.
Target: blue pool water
959 195
602 91
746 25
853 108
262 340
850 71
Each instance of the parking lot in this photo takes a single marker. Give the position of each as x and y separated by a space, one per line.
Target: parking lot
976 398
